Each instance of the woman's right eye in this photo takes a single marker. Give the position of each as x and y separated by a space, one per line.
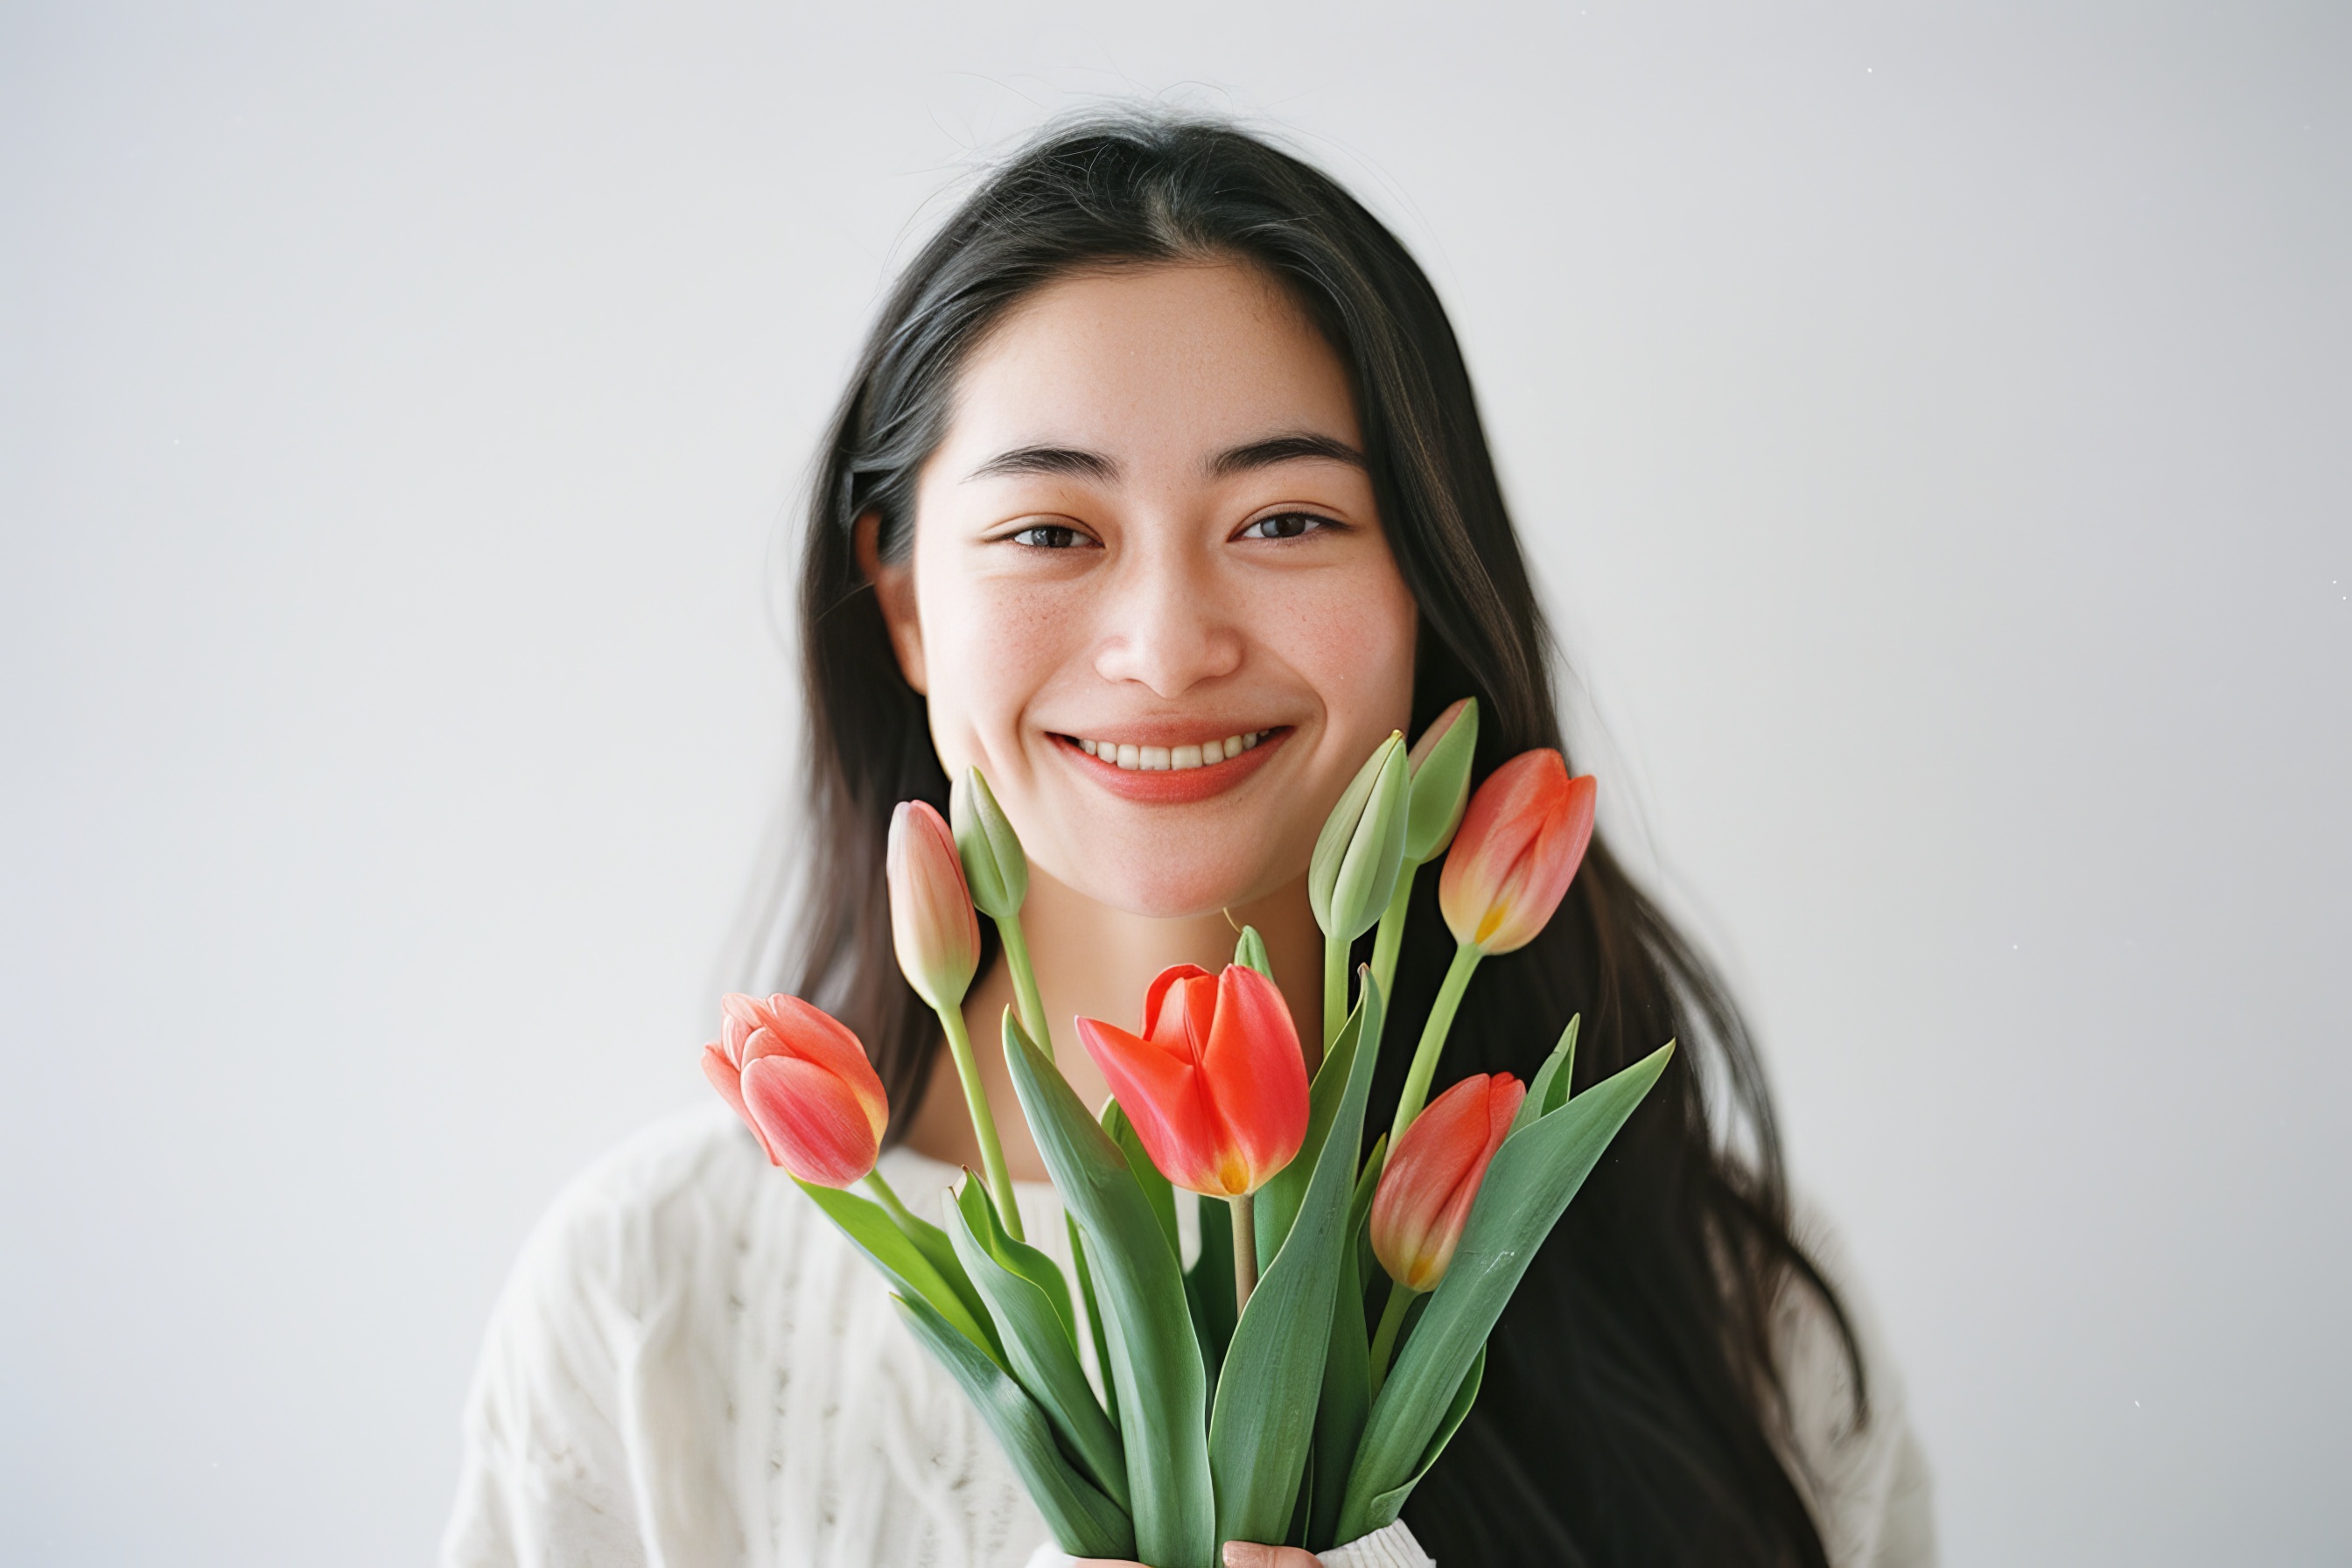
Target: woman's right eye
1050 536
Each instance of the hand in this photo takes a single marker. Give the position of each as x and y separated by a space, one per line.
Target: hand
1238 1554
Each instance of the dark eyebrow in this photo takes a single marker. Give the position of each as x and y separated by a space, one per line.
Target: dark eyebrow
1285 450
1047 461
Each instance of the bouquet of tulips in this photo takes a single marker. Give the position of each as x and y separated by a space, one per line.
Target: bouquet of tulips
1296 1381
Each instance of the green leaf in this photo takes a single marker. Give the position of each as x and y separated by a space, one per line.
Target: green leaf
1535 1173
1043 1355
933 1244
1156 1187
1563 1087
1210 1284
1250 952
869 1226
1038 1267
1391 1503
1154 1362
1551 1085
1277 1203
1094 1315
1347 1393
1085 1523
1263 1424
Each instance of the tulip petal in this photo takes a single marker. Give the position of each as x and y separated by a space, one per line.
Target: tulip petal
1171 982
1163 1101
933 927
1518 848
814 1125
1423 1169
1255 1076
811 1034
728 1079
1434 1177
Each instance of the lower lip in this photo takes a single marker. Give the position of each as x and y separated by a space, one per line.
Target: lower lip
1175 786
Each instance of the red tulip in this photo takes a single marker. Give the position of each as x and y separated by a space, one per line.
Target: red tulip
931 920
804 1084
1426 1190
1215 1085
1516 852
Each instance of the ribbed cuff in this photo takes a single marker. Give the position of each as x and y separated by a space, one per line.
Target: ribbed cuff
1391 1548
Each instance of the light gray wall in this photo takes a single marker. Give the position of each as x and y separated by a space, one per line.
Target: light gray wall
1931 427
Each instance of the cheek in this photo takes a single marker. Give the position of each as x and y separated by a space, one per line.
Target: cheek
989 648
1351 637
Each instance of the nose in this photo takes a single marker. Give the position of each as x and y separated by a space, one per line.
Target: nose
1167 628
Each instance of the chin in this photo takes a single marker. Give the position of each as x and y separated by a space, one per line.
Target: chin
1160 887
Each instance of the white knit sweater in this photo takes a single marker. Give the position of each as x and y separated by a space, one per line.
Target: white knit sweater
691 1367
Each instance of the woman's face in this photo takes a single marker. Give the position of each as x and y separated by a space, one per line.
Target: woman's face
1148 539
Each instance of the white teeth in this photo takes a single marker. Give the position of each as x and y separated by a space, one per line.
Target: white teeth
1167 759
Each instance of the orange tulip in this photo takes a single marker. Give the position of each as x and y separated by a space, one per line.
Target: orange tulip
1215 1085
931 920
1425 1192
1516 852
803 1083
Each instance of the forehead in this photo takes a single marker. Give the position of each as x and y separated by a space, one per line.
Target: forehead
1170 359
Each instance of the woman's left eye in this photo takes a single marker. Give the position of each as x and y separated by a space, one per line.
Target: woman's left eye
1286 525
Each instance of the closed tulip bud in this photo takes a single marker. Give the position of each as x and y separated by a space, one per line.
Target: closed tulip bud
1215 1085
802 1083
1433 1174
1518 847
994 867
1441 781
1361 847
931 922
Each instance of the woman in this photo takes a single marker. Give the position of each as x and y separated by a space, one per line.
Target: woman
1161 493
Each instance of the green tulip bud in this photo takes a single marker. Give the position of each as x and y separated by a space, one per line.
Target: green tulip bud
1361 847
994 865
1250 952
1441 781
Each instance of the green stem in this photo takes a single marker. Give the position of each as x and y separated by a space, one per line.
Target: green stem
899 1214
1384 1341
975 1100
1024 983
1244 1250
1433 1040
1392 933
1335 988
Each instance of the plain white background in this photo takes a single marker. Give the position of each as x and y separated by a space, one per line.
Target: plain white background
1931 427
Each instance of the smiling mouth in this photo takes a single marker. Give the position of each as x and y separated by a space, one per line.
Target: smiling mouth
1169 759
1174 775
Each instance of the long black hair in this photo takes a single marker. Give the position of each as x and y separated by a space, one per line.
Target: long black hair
1632 1411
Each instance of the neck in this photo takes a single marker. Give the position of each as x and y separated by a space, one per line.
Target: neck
1095 961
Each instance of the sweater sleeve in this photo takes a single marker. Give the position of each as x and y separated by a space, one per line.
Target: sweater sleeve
1861 1466
590 1436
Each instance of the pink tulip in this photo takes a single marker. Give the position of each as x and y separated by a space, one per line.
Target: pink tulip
931 920
1425 1192
1516 852
803 1083
1215 1085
